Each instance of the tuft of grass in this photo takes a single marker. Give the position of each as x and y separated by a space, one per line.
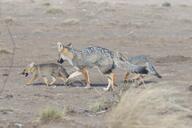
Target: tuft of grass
4 51
71 21
68 110
6 111
46 4
166 4
99 106
50 114
9 20
154 107
54 10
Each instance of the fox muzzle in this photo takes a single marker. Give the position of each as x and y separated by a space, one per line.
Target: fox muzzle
24 73
60 61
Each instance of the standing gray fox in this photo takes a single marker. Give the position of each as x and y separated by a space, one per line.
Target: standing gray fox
104 59
45 71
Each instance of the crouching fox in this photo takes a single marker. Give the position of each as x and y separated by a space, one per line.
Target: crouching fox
45 71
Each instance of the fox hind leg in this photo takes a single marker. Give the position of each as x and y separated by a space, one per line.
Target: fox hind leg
142 81
86 76
126 78
63 79
46 81
53 80
73 75
108 86
139 79
111 79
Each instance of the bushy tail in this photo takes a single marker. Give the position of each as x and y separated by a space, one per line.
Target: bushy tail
122 63
151 69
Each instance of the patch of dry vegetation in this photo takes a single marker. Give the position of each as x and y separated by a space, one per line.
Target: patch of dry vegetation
68 110
156 107
166 4
50 114
46 4
4 51
70 21
54 10
9 20
100 105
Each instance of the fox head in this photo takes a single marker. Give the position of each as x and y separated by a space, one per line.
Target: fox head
65 53
28 69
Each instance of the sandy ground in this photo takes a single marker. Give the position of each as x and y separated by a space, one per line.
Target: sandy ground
132 27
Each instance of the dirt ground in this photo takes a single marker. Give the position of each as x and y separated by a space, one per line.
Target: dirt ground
133 27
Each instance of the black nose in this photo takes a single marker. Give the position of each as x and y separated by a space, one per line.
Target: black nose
60 61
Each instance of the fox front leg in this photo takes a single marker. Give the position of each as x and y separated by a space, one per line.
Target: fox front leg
73 75
111 81
34 77
53 80
46 81
86 76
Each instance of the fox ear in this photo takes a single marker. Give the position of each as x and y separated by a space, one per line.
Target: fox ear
31 65
69 45
59 46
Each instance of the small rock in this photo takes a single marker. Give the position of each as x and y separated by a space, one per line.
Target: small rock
15 125
4 112
166 4
5 74
18 125
190 88
9 96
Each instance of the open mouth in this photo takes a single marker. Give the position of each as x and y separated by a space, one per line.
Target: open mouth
26 74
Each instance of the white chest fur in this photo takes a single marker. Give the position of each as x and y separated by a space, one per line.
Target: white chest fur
68 59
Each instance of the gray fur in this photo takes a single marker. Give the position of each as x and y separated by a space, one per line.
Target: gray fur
105 59
143 60
51 69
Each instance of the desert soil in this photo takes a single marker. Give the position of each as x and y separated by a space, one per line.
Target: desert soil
133 27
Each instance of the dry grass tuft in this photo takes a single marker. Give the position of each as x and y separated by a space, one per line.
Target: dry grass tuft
166 4
101 105
54 10
71 21
4 51
9 20
155 107
50 114
46 4
68 110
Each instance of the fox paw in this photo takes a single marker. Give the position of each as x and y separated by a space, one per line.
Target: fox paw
125 81
68 83
28 84
88 86
53 86
106 89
